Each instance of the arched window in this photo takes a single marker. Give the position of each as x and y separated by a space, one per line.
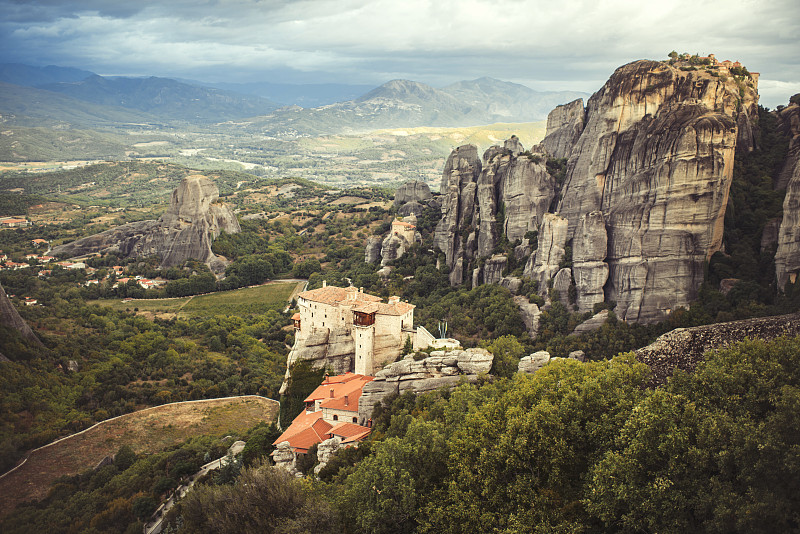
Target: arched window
335 417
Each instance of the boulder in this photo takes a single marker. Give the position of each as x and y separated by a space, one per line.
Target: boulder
325 451
284 457
577 355
591 324
512 283
513 146
532 363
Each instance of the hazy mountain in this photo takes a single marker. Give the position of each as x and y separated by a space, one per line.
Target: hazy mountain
303 95
405 103
164 97
30 76
28 106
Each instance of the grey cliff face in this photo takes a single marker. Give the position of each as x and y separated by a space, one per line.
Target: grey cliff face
564 126
544 265
589 247
413 191
656 158
186 230
787 257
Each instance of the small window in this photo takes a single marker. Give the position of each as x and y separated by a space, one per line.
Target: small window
335 417
355 419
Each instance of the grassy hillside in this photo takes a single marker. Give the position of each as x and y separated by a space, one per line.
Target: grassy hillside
146 431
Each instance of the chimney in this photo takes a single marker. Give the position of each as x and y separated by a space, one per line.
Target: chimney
346 401
331 392
394 300
324 283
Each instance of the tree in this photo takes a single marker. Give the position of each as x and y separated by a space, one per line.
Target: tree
507 351
124 457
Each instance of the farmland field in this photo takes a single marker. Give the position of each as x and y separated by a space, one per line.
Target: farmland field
244 301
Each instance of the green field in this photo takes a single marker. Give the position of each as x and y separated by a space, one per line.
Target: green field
244 301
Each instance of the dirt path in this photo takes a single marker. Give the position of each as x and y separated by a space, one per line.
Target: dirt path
146 431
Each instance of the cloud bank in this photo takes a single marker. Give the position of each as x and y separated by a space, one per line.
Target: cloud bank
572 44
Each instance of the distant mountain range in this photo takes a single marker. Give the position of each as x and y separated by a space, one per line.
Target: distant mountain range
73 97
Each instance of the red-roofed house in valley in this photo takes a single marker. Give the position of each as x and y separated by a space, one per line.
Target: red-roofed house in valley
333 406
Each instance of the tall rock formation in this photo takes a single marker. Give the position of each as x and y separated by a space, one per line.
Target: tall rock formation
194 219
564 127
413 191
656 159
508 194
787 257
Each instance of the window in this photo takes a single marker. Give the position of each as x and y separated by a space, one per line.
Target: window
335 417
355 419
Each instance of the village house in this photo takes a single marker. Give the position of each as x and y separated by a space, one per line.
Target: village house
13 222
378 329
331 410
38 242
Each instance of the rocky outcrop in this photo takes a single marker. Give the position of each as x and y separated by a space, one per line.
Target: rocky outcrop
588 266
413 191
410 208
493 269
10 318
684 348
441 368
787 256
591 324
393 247
564 126
532 363
192 221
285 459
325 348
325 451
544 265
656 158
372 251
530 314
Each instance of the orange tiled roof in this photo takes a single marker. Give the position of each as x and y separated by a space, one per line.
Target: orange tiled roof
296 316
397 308
340 384
335 295
350 432
403 223
307 429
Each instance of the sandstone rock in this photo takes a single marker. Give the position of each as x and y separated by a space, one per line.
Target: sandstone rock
440 369
384 272
284 457
325 451
393 247
512 283
561 282
589 248
545 263
493 269
577 355
372 252
534 362
787 256
530 314
591 324
513 146
462 167
10 318
564 127
413 191
185 231
656 158
332 349
410 208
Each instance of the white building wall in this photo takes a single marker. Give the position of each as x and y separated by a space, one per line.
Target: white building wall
364 341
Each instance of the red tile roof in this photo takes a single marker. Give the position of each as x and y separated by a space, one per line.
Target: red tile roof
335 295
307 429
341 385
350 432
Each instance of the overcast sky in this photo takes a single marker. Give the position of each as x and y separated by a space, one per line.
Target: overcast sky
562 44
